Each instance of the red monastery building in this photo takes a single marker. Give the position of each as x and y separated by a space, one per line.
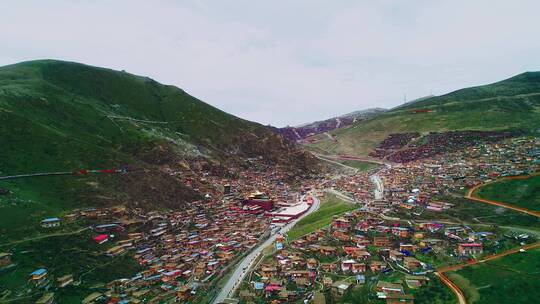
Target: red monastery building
259 199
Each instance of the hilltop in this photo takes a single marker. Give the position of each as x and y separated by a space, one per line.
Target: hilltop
65 116
511 104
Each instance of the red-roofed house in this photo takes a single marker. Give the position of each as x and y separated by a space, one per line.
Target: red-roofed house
102 238
470 248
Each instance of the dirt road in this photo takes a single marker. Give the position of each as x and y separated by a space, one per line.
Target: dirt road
471 195
488 258
45 237
453 287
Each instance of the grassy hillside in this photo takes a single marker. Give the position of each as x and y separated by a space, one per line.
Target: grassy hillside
509 104
523 193
64 116
330 206
80 115
360 165
511 279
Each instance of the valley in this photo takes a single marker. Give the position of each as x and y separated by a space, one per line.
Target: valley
115 188
269 152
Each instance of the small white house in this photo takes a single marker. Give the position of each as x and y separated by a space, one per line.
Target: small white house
50 222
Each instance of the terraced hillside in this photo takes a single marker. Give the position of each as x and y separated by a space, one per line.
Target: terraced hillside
506 105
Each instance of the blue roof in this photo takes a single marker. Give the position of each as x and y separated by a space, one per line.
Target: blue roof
39 271
107 225
153 278
52 219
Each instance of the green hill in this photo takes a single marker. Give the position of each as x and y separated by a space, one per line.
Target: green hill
64 116
69 115
509 104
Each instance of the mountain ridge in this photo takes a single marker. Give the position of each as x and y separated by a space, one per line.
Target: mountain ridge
301 132
510 104
490 90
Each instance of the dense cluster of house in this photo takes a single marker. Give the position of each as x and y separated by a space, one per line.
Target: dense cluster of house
360 246
357 247
393 143
401 148
181 252
357 186
413 184
192 246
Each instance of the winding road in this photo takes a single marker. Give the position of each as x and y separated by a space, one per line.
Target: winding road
375 178
242 268
453 287
471 195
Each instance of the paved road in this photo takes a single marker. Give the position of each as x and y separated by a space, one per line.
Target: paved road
378 193
375 178
243 267
358 158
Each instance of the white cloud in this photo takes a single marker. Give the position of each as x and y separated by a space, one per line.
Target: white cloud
285 62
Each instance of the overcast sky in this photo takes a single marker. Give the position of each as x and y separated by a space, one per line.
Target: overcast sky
285 62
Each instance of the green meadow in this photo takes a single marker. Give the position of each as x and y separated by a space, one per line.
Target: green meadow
511 279
330 206
520 192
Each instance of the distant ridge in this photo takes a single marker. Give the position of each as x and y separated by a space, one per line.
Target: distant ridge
413 101
300 132
524 83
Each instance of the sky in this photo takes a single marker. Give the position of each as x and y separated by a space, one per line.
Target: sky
285 62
